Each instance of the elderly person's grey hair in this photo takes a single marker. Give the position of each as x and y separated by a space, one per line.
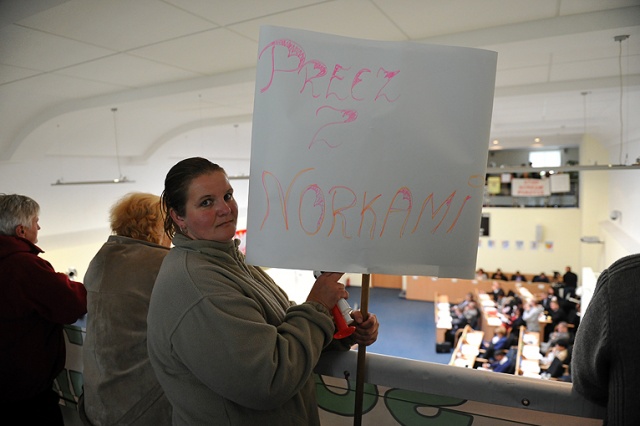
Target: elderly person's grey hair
16 210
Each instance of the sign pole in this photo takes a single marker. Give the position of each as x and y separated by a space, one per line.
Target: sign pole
362 353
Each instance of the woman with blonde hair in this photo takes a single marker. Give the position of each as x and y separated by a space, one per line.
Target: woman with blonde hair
120 386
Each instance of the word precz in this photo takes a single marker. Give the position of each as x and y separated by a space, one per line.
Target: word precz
365 85
362 84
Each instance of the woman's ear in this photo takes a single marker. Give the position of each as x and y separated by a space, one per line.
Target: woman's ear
20 232
177 219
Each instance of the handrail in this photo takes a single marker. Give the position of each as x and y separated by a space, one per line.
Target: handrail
503 390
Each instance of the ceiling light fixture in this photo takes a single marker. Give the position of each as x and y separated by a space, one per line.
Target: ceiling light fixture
584 112
238 177
591 239
620 39
120 179
92 182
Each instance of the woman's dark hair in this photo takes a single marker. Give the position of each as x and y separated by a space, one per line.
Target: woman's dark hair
176 185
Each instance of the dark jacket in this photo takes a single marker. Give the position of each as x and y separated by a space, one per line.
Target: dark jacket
35 302
604 364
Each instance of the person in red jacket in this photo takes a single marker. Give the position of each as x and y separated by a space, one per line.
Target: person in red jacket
35 303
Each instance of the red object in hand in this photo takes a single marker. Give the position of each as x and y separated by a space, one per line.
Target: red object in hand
344 330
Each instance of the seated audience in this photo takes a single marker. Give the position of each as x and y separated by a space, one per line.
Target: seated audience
501 363
481 275
546 300
469 297
541 278
518 277
557 358
568 299
531 315
497 293
498 275
563 350
35 303
458 322
557 315
497 342
472 314
515 322
504 302
120 386
561 332
573 315
506 307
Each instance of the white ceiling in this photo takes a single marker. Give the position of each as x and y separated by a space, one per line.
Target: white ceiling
180 72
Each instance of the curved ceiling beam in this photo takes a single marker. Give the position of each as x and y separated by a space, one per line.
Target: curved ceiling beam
177 131
200 83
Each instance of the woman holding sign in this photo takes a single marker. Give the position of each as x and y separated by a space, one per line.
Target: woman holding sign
227 345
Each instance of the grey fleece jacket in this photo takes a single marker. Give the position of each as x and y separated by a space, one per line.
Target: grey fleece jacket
227 345
604 366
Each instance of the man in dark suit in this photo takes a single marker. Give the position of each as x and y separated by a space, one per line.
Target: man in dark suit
569 278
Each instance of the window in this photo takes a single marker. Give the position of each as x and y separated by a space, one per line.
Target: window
500 191
545 158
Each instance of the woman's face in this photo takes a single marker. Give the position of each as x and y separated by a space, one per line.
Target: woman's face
211 212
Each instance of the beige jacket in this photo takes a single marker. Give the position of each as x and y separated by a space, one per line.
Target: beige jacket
120 386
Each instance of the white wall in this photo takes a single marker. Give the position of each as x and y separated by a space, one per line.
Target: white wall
622 236
594 201
561 228
75 218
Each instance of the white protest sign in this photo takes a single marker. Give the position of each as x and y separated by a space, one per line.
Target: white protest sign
368 156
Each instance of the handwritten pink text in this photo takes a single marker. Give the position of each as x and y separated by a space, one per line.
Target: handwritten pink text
358 215
337 84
